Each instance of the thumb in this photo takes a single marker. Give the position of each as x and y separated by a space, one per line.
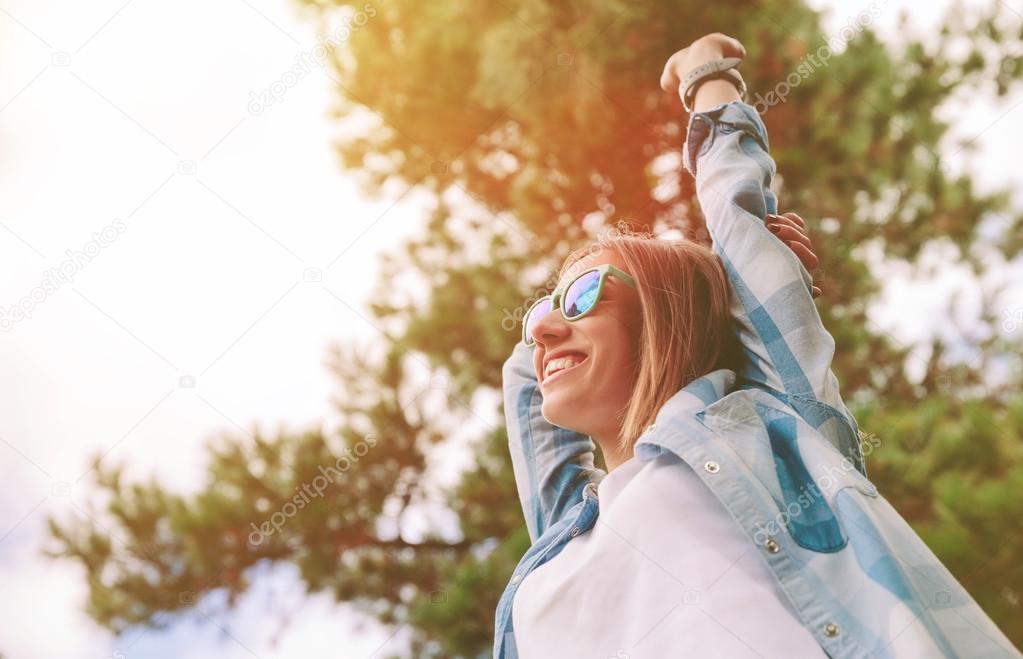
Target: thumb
669 79
732 47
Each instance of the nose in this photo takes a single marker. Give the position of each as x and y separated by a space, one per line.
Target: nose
551 327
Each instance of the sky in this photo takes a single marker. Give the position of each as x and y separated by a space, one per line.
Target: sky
198 256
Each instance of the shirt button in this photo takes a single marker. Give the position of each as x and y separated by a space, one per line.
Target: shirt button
517 578
831 629
711 466
575 532
772 545
652 427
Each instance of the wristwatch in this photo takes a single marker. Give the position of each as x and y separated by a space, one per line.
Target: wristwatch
722 68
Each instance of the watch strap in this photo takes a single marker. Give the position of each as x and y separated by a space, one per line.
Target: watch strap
722 68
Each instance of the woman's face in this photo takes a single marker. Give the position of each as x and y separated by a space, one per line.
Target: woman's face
591 396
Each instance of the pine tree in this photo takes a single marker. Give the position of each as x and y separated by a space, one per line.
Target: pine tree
533 125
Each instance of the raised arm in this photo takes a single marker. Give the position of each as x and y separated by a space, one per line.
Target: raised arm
552 465
787 349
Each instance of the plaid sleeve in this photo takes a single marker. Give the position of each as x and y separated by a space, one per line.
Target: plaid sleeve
552 465
787 349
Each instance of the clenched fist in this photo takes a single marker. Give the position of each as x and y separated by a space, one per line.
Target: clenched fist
709 47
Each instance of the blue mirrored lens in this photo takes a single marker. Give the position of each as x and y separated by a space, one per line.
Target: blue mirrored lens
582 294
537 312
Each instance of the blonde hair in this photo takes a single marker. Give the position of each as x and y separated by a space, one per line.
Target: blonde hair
686 329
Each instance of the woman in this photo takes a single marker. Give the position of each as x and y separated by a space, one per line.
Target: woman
737 519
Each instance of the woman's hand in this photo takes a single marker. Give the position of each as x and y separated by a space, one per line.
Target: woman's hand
791 230
708 48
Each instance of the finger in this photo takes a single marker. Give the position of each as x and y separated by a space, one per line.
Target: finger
787 221
669 79
738 50
787 233
816 292
806 256
731 47
798 220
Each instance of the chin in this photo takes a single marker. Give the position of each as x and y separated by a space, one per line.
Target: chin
556 413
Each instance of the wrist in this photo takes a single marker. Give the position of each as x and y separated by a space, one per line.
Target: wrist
699 77
712 93
693 63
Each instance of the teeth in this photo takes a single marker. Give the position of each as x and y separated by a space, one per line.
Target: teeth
561 364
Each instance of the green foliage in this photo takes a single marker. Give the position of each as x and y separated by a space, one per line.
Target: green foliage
533 125
953 469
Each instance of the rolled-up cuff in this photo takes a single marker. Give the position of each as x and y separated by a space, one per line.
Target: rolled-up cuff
727 117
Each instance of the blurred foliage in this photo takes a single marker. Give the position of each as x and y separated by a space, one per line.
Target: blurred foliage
531 126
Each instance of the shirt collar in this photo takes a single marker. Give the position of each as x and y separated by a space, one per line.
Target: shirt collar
698 394
682 408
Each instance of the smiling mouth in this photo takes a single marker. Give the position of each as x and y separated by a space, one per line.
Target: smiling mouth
555 375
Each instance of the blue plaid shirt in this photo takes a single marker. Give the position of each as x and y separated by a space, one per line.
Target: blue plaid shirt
774 442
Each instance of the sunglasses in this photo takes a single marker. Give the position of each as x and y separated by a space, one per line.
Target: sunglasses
575 300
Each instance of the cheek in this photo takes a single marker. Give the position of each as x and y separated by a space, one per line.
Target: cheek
606 386
616 357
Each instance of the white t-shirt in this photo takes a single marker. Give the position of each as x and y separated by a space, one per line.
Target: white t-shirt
664 572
